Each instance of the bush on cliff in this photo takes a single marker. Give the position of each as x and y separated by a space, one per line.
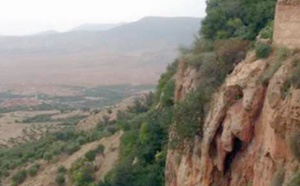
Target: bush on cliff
165 79
267 32
189 114
295 77
295 180
263 50
32 171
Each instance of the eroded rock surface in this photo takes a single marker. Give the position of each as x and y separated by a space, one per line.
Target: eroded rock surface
246 132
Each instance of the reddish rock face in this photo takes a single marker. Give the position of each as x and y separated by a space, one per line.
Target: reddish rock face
246 132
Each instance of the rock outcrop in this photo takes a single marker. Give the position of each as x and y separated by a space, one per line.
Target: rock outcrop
246 140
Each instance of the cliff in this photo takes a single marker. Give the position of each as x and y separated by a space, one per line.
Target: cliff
248 131
250 134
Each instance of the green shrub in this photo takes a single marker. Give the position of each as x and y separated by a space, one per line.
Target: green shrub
273 68
19 177
109 111
48 156
100 149
167 95
32 171
201 46
4 173
196 60
111 129
71 120
66 134
267 32
296 180
295 61
57 147
263 50
61 169
60 179
81 140
285 89
39 119
91 155
282 53
82 173
231 51
236 18
72 147
137 107
165 78
189 114
295 77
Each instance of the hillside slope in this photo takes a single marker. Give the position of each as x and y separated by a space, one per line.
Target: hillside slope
103 162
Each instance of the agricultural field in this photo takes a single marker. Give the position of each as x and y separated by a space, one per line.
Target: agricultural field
29 116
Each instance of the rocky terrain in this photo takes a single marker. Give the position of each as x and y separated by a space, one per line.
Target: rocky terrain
245 140
251 131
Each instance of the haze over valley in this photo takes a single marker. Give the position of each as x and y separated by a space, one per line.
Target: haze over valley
132 53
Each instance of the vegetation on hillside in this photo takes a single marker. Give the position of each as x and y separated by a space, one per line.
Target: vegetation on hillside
85 98
242 19
144 143
227 32
214 59
225 38
49 148
73 120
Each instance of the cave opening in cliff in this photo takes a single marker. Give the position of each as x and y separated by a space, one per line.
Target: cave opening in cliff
230 156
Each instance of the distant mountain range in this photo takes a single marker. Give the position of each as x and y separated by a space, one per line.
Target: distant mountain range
140 34
95 27
48 32
128 50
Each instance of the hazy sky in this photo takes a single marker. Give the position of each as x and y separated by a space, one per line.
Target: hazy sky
18 17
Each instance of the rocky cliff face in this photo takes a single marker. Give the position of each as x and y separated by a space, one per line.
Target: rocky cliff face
247 132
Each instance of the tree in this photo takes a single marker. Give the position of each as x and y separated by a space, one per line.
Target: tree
236 18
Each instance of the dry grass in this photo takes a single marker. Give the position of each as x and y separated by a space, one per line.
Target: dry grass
294 144
278 177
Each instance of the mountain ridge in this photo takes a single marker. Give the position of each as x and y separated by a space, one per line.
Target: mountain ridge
146 28
95 27
98 56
